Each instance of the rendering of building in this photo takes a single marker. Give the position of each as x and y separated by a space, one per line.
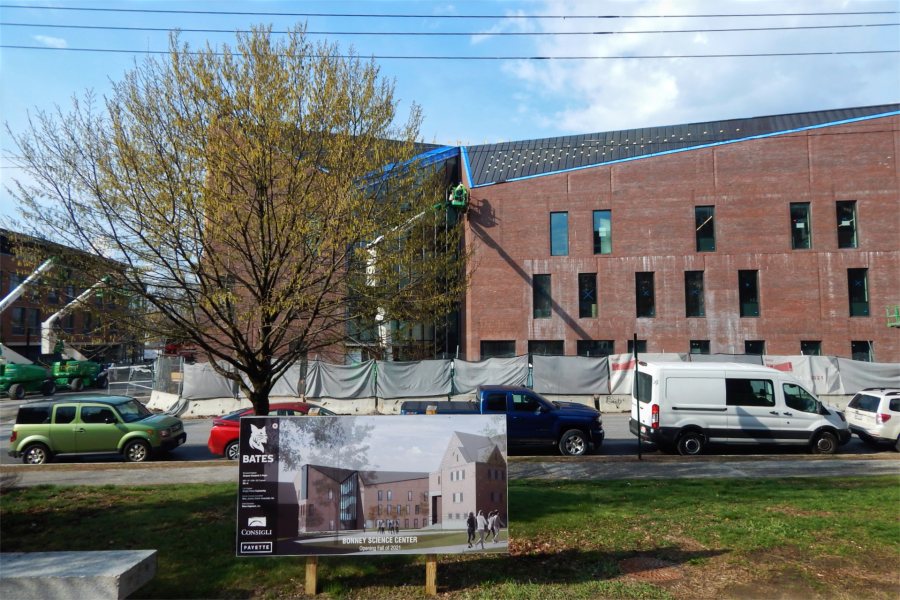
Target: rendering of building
471 477
765 235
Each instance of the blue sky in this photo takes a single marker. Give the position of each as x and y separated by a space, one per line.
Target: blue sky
472 100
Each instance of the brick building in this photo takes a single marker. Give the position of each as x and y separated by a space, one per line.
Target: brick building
775 235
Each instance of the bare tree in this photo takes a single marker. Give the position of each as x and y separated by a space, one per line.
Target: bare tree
239 191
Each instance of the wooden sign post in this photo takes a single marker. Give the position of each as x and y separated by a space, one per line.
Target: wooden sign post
431 575
312 563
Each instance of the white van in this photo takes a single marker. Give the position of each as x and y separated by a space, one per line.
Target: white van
685 406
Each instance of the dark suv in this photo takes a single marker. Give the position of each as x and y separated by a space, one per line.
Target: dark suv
92 424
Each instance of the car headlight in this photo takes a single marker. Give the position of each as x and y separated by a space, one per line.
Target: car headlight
164 433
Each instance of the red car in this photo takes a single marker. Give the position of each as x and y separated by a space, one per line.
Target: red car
223 437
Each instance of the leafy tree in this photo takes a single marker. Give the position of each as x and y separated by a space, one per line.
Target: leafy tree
238 191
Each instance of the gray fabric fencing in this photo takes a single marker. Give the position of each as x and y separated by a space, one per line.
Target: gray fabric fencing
557 375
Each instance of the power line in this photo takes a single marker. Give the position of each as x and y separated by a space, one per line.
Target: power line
438 16
451 57
455 33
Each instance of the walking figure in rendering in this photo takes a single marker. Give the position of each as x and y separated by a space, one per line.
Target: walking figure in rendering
494 524
470 528
482 528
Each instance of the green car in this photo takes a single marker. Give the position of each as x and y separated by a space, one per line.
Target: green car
92 424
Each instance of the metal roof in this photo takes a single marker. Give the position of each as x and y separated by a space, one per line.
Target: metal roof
487 164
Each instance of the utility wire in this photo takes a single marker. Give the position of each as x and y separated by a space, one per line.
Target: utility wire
451 57
454 33
433 16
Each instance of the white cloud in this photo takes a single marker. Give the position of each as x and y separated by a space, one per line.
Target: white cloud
52 42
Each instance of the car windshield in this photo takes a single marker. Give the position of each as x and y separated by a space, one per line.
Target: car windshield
132 411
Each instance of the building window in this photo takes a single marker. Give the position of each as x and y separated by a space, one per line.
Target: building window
390 495
587 295
641 346
18 320
694 305
748 290
498 349
704 220
858 291
559 234
811 348
595 347
602 232
699 346
546 347
757 347
408 498
846 224
801 234
542 299
643 289
380 495
862 351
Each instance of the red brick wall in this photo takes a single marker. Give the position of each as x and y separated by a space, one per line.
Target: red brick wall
803 293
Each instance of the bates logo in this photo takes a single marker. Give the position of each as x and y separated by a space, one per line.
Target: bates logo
258 458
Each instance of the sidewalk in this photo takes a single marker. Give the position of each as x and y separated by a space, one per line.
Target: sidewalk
588 468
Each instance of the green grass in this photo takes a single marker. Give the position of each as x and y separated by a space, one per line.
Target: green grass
740 538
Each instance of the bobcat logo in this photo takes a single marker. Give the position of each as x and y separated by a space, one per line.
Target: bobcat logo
258 438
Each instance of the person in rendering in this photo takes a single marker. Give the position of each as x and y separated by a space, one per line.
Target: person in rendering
494 524
470 528
482 528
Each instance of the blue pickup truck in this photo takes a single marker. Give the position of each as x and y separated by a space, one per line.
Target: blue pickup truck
532 421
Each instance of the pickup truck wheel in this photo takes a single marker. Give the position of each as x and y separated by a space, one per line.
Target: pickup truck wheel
36 454
136 451
573 443
691 443
16 391
825 443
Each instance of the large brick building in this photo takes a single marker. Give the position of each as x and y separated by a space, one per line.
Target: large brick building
775 235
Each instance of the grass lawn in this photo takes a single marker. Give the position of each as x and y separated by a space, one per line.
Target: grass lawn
777 538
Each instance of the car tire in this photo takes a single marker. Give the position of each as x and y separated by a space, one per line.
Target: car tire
573 443
691 443
101 382
136 451
824 443
36 454
77 384
16 391
48 388
897 444
232 451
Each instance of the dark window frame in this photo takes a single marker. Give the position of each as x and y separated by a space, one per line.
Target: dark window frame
694 295
847 223
602 243
559 246
858 292
705 228
645 294
542 296
588 303
748 293
801 226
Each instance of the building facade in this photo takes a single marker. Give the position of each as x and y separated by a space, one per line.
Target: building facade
767 235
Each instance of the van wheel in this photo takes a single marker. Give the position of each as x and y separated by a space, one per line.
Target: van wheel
691 443
16 391
825 443
137 451
36 454
573 443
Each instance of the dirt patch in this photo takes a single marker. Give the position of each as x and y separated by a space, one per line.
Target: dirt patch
647 568
793 511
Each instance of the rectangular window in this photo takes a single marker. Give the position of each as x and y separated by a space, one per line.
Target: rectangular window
757 347
694 305
846 224
748 290
644 295
811 348
587 295
749 392
704 220
542 299
559 234
641 346
18 320
858 292
602 232
862 351
546 347
801 234
498 349
699 346
595 347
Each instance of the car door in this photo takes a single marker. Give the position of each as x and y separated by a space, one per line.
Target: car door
801 411
99 429
526 422
62 428
756 415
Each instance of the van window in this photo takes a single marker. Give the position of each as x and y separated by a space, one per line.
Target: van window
644 388
33 415
64 414
799 399
749 392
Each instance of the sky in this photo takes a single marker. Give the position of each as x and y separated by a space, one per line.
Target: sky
512 70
